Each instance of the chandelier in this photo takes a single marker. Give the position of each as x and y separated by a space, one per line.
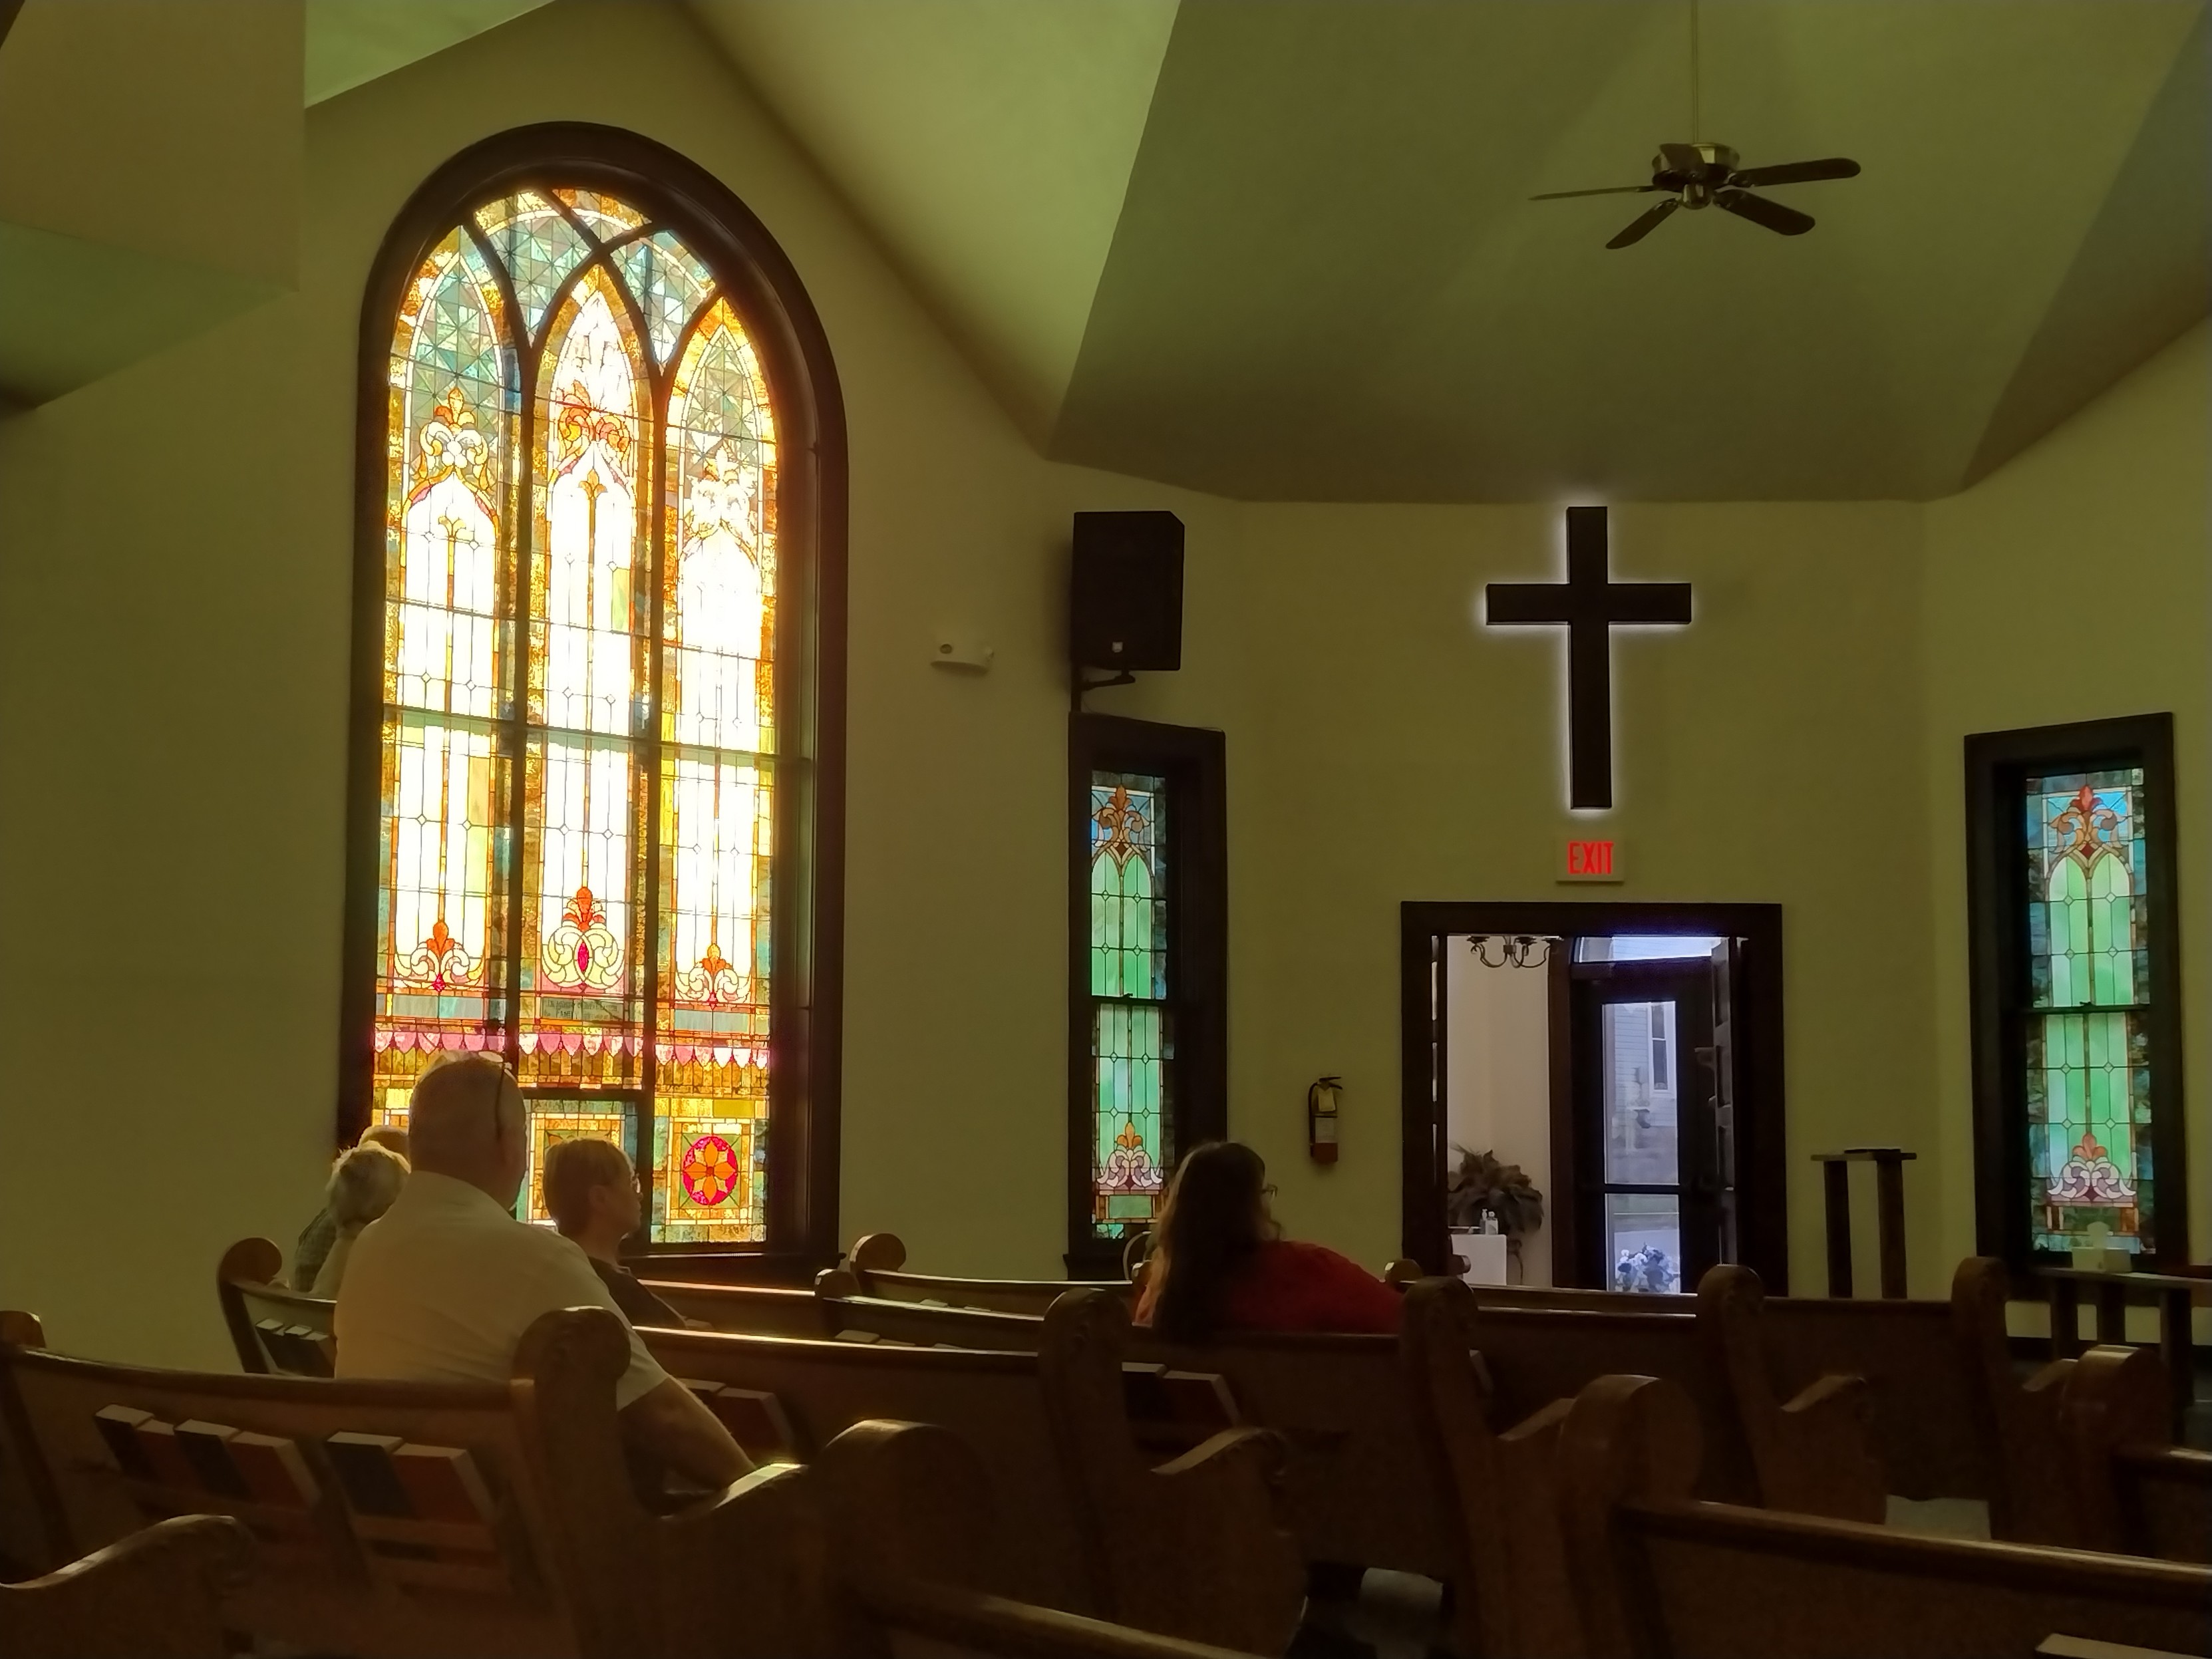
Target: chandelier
1514 950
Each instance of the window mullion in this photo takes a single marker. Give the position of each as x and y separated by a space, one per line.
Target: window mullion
650 764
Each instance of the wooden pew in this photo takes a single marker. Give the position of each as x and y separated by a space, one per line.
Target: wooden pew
2134 1491
418 1519
1657 1573
1493 1484
156 1594
1085 1523
872 1267
274 1329
2020 1420
25 1547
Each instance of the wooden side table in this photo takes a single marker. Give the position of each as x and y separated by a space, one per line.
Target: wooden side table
2173 1293
1889 1163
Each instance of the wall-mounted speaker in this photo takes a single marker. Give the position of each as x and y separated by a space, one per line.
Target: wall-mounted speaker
1125 603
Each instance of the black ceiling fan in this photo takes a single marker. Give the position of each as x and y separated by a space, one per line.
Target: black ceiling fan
1701 175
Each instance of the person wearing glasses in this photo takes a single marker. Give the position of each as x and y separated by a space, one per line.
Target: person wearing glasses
1220 1261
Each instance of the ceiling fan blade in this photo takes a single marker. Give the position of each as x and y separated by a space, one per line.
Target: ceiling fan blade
1616 190
1798 173
1682 158
1644 225
1783 221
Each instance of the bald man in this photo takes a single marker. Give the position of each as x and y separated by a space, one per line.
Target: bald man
442 1286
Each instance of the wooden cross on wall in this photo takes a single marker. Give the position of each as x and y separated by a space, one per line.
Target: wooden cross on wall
1590 604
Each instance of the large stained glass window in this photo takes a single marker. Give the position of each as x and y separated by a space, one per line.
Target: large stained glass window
2086 1034
1132 1024
579 754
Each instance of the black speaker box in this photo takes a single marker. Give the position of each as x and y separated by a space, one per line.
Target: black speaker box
1125 604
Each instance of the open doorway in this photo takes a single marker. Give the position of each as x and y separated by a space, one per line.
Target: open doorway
1623 1059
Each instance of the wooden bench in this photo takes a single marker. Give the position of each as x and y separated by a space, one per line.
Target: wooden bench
425 1519
872 1267
1085 1522
275 1329
1656 1572
417 1519
156 1595
2133 1490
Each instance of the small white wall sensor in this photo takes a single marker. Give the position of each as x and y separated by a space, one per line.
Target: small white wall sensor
958 651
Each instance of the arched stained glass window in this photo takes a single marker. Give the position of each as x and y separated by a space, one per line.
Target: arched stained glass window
598 799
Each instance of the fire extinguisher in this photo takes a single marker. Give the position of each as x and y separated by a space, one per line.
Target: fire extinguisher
1321 1119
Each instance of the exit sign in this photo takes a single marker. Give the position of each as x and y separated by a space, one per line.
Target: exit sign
1591 860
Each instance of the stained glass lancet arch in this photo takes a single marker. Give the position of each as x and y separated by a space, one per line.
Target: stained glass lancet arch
596 838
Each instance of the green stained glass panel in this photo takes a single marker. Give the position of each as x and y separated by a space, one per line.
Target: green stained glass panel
1131 1052
670 283
1128 888
537 245
2086 1059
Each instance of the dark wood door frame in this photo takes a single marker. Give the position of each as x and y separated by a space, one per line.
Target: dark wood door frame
1762 1219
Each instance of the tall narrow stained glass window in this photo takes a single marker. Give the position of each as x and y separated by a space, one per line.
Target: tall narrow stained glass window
580 757
1132 1026
2085 1033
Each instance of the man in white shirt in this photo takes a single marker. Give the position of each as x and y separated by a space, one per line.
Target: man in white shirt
441 1287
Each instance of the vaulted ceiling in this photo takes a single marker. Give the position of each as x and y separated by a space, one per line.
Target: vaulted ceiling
1281 249
1284 250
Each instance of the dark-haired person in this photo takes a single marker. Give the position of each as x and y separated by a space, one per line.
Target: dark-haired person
591 1193
1220 1262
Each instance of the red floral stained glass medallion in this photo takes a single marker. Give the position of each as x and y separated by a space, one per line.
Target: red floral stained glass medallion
710 1171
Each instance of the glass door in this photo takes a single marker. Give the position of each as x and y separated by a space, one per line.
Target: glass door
1651 1172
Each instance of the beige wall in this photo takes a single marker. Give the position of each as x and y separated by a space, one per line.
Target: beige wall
1498 1090
2072 585
174 575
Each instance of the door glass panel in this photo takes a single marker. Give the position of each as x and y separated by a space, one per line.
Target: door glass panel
1638 1071
1643 1241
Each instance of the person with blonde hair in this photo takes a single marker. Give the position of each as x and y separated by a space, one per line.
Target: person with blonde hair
442 1288
317 1237
363 1184
591 1193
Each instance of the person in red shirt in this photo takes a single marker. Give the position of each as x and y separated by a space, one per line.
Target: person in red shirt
1221 1261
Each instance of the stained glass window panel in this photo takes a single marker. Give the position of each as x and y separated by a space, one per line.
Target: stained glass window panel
712 1160
554 1119
2087 1042
670 287
716 814
720 605
587 675
530 750
1129 893
533 239
1130 1050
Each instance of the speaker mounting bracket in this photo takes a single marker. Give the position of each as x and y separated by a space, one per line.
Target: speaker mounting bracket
1079 686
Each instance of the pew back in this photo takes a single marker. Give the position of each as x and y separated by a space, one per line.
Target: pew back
156 1595
873 1267
390 1518
1656 1572
274 1329
1534 1355
1356 1485
993 1403
1078 1518
755 1310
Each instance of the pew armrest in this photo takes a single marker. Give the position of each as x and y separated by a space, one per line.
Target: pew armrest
978 1624
1232 1570
155 1594
1827 1464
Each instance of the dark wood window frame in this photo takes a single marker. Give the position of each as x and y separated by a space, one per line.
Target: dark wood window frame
1997 763
1762 1151
1194 762
807 877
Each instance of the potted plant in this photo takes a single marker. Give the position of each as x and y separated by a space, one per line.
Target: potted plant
1480 1184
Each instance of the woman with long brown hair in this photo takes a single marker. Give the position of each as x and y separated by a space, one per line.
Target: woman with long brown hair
1221 1261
